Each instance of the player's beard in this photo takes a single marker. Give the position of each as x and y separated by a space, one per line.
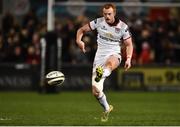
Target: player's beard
109 21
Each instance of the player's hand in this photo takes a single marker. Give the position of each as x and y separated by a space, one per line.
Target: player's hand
127 64
81 45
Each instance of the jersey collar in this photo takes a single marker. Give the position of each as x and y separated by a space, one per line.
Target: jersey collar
114 23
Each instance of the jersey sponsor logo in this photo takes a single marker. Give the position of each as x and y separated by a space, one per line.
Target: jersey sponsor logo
109 35
108 39
104 28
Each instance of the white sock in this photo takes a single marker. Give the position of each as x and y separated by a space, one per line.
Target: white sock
102 100
107 72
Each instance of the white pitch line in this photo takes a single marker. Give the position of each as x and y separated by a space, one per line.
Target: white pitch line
3 119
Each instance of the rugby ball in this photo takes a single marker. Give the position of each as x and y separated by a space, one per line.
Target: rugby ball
55 78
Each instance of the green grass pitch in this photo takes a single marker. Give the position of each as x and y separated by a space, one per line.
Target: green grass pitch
81 108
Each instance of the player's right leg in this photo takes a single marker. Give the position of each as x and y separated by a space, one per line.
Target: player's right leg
111 63
99 73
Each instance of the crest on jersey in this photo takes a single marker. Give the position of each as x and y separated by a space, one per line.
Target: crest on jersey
117 30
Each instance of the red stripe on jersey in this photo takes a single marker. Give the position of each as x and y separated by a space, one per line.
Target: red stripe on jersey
127 38
89 25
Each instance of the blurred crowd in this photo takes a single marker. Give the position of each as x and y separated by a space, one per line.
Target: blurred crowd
20 41
155 41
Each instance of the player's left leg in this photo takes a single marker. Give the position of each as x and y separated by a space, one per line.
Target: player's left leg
97 91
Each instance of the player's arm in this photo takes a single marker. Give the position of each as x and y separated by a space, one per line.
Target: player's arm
129 51
79 35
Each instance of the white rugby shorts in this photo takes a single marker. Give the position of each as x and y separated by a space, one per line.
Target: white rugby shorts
100 60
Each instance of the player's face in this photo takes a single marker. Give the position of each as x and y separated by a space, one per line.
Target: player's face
109 15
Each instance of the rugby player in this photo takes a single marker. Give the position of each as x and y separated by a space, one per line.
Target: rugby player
111 34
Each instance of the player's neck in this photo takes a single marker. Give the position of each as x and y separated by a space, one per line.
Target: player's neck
115 22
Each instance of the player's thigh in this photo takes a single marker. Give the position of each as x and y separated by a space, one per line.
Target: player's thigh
113 61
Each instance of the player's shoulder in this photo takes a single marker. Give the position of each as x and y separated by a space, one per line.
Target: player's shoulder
122 24
99 20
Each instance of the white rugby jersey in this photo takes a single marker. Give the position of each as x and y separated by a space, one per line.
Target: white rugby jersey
109 38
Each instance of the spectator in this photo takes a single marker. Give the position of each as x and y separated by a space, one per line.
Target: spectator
36 43
18 55
30 21
168 56
2 49
7 22
146 55
32 57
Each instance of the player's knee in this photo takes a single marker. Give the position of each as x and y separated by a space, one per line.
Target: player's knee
112 64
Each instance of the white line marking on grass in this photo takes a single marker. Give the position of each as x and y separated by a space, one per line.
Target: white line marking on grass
5 119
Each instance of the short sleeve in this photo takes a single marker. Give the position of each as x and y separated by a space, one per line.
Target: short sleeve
126 32
93 24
